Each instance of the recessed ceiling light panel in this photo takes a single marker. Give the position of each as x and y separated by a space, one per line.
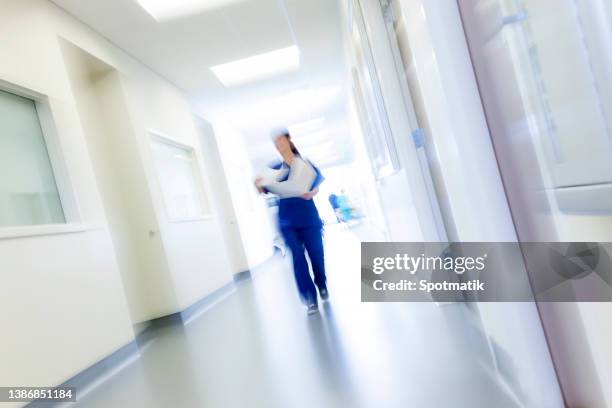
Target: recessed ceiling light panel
162 10
258 67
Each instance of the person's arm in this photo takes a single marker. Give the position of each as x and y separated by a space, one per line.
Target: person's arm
259 180
315 185
309 195
259 187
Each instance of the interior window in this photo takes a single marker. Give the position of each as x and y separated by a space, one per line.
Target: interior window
181 187
28 191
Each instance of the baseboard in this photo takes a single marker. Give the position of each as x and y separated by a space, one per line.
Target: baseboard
184 316
211 299
140 327
241 276
86 379
108 366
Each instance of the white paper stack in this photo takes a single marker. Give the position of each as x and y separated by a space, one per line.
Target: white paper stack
301 177
271 176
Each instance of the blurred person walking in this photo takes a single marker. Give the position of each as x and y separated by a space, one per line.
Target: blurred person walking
301 228
333 201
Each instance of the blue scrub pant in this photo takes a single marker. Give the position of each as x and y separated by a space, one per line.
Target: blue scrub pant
311 239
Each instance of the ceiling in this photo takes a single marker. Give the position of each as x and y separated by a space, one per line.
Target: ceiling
183 50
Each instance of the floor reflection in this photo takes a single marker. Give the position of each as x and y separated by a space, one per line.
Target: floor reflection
258 348
333 364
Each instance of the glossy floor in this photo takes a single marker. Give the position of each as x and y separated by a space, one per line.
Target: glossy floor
257 348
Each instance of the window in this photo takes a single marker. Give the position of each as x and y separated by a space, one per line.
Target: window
28 190
370 101
181 187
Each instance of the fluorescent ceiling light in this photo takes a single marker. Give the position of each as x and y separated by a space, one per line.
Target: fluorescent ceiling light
162 10
258 67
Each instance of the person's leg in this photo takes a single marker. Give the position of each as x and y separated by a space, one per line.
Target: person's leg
294 241
313 240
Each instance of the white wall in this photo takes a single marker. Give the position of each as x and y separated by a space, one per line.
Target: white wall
467 179
375 218
66 288
595 317
107 128
195 250
222 198
410 210
62 302
178 262
447 100
582 84
250 209
525 75
62 306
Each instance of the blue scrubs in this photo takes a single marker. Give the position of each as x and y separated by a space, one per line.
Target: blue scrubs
302 228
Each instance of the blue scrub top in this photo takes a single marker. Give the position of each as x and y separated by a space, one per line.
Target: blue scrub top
295 212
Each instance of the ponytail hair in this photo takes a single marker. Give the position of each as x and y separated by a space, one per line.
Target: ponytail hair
293 148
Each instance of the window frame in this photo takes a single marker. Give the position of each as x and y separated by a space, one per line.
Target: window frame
46 109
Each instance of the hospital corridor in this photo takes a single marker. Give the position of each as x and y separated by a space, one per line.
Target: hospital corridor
306 203
248 349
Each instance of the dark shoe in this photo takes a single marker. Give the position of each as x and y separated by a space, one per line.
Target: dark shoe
313 308
324 294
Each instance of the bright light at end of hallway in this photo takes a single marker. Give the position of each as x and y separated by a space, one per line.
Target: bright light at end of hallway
258 66
307 127
293 105
162 10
